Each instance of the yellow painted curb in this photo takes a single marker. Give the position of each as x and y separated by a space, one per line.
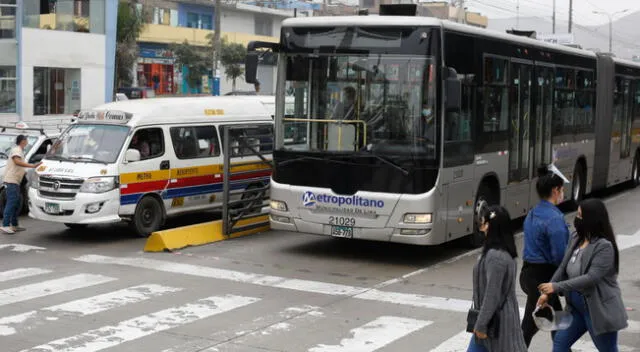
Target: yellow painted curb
199 234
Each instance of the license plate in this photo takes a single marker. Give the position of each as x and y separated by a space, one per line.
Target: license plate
342 231
52 208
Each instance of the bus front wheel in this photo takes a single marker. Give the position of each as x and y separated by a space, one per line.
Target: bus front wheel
486 197
148 216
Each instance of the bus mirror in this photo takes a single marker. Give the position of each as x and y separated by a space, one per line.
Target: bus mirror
453 91
132 155
251 67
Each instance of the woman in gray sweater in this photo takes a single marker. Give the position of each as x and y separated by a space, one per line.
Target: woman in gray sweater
497 328
588 278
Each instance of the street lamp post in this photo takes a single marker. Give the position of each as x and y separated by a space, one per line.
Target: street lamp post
610 16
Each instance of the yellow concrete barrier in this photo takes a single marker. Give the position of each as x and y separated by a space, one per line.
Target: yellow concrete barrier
199 234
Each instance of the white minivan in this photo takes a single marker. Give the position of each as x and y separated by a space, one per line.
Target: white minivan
144 160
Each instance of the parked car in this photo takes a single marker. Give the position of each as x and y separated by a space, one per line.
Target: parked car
137 92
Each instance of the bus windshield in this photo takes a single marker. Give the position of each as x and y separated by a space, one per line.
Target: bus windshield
371 94
90 143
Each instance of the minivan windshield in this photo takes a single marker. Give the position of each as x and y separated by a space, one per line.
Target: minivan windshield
90 143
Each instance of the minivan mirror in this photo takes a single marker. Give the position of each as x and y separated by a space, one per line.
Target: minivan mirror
132 155
453 90
36 158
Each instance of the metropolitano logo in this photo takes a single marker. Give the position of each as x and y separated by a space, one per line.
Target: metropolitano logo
309 199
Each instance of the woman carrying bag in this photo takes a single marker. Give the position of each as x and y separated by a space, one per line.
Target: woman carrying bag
494 317
588 278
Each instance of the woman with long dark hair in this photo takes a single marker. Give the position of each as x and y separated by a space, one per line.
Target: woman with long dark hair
496 318
588 278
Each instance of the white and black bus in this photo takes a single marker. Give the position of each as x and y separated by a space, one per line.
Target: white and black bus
403 125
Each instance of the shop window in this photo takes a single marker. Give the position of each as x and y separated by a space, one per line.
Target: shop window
149 142
192 142
161 16
264 25
7 89
193 20
56 91
206 22
7 19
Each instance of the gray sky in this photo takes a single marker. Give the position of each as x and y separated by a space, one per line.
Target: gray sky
583 9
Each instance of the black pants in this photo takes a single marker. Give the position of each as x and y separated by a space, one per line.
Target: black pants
531 276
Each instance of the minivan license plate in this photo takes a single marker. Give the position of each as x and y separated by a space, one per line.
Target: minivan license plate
51 208
342 231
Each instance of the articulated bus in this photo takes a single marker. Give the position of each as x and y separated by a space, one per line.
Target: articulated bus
404 126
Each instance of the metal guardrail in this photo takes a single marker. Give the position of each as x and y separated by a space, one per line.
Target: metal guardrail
247 168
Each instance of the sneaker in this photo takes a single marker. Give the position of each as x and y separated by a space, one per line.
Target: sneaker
7 230
17 228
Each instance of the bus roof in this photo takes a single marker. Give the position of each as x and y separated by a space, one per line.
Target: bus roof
189 109
397 21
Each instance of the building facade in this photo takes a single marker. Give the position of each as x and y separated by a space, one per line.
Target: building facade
176 21
58 57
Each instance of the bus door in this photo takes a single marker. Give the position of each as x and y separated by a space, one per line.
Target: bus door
626 159
520 88
541 123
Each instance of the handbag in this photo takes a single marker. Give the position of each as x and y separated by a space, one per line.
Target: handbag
494 324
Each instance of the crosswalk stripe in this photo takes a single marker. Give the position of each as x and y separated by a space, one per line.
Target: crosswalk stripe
82 307
375 335
21 273
456 343
145 325
417 300
50 287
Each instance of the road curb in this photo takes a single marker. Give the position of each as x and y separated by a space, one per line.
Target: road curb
199 234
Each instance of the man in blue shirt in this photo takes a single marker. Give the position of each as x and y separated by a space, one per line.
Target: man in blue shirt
546 236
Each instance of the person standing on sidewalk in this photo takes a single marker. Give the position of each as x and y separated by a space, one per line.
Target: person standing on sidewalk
496 327
13 175
546 236
588 278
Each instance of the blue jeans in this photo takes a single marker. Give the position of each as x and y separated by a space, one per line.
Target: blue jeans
581 324
11 210
474 346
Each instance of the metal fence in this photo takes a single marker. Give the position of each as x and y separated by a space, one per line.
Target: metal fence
247 170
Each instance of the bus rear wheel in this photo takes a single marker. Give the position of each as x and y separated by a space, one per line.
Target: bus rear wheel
148 216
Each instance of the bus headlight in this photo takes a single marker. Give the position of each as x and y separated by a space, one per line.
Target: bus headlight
278 205
417 218
98 185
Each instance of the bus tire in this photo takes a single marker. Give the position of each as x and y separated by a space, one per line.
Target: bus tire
578 185
148 216
635 172
75 226
486 197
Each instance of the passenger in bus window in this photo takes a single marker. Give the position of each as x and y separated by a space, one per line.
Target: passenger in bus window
346 109
546 236
496 315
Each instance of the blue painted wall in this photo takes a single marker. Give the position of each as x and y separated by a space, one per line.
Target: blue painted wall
111 23
183 9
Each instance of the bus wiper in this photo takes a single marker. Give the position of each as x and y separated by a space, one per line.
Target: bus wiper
86 158
389 162
286 162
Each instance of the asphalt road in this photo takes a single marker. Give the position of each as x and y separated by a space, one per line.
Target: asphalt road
95 290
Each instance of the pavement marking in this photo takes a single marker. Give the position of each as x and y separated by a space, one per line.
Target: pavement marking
21 273
417 300
634 327
145 325
82 307
588 346
22 248
375 335
626 242
50 287
456 343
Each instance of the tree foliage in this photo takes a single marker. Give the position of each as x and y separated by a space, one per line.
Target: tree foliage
131 22
232 57
196 59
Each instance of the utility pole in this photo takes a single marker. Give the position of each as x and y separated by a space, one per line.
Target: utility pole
610 16
518 15
461 14
554 17
217 44
570 15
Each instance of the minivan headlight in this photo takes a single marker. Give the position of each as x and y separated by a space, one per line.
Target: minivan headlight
34 182
98 185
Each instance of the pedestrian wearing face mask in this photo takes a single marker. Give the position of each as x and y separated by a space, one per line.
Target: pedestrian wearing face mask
546 236
588 278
